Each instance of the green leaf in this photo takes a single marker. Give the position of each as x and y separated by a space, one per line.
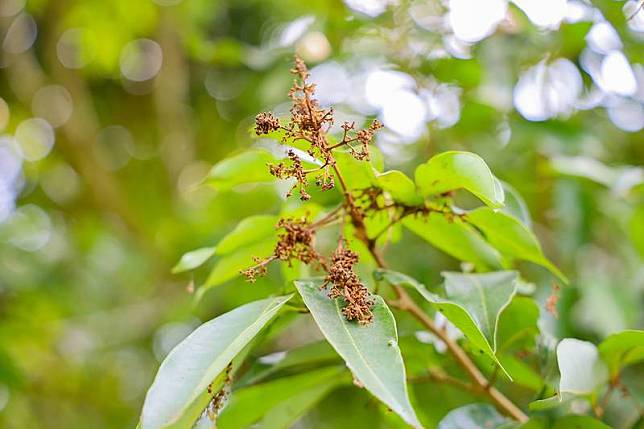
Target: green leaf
473 303
454 170
193 259
515 205
518 326
580 368
484 296
401 188
249 231
456 238
510 237
246 167
579 422
178 394
371 352
249 404
357 174
522 374
229 266
473 416
622 349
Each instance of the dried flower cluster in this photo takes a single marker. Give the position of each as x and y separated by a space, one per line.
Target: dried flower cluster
296 243
347 285
311 123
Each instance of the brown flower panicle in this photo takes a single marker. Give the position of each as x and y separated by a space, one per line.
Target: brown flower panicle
311 123
347 285
296 243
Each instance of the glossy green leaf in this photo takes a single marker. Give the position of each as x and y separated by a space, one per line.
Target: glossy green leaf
249 404
193 259
179 391
249 231
473 303
401 188
456 238
371 352
510 237
580 367
454 170
246 167
622 349
473 416
229 266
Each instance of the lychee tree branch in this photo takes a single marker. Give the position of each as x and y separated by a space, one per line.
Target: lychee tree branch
405 303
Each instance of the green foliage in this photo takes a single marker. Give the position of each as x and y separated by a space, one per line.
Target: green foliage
179 392
371 352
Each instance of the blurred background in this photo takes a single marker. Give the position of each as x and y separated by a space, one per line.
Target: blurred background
112 112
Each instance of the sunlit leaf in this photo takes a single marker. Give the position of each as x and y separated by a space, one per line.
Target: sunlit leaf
246 167
249 404
454 170
479 416
401 188
249 231
580 367
510 237
179 391
622 349
193 259
456 238
371 352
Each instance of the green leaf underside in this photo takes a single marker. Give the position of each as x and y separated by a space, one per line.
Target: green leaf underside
480 416
245 167
454 170
371 352
401 188
510 237
179 391
518 326
460 306
249 231
193 259
622 349
249 404
456 238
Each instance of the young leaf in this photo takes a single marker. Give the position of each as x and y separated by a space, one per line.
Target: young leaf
454 170
246 167
580 368
401 188
511 238
371 352
249 231
473 303
456 238
193 259
178 394
483 416
622 349
249 404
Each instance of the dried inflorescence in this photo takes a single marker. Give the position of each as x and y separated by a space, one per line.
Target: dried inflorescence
311 123
347 285
295 243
